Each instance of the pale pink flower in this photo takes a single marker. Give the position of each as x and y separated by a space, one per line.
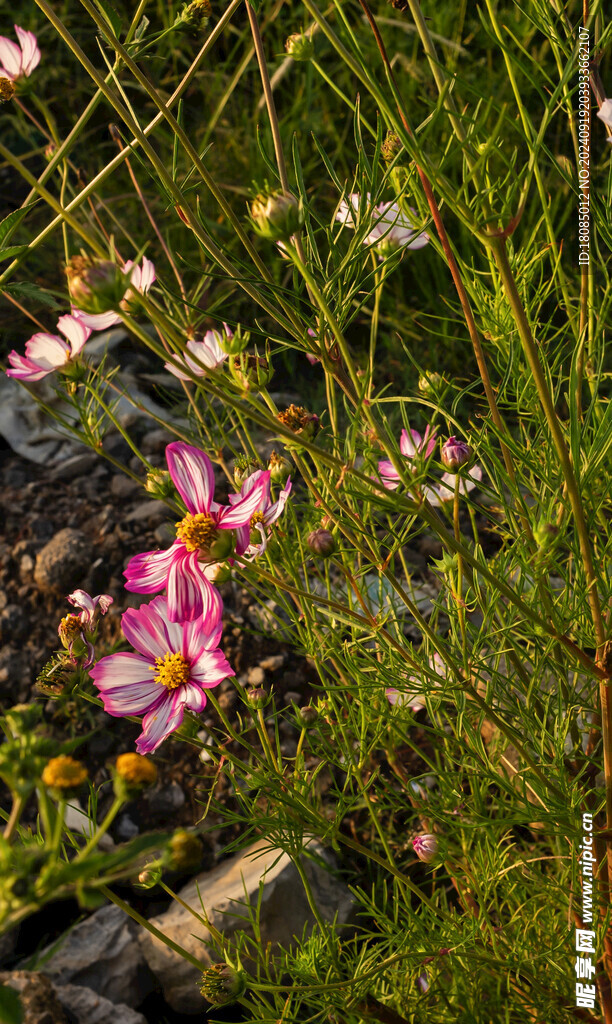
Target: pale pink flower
91 607
390 227
411 446
265 515
176 662
203 537
445 489
605 113
45 353
201 355
425 847
413 699
18 61
141 279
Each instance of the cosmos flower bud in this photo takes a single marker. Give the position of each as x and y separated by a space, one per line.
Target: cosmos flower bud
221 984
425 847
430 383
308 716
321 542
194 15
150 876
135 770
251 371
277 216
7 90
222 546
244 465
391 147
257 697
300 46
159 484
235 342
63 776
303 423
280 469
455 453
96 286
219 573
545 535
184 851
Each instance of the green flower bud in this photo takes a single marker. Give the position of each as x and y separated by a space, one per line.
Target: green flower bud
251 371
391 147
300 46
321 542
222 546
235 343
221 984
159 484
277 216
244 465
308 716
184 851
257 698
280 469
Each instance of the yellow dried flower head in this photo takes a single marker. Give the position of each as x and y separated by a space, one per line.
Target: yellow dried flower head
136 769
64 772
7 90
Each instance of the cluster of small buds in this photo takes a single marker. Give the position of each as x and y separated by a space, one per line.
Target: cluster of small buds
391 147
194 15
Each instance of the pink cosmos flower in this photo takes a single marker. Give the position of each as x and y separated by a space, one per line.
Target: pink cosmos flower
18 61
202 538
415 700
78 631
445 489
391 228
411 445
141 279
207 354
176 662
265 515
48 352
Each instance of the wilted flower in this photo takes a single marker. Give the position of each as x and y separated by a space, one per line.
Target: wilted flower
7 90
423 982
252 538
45 353
195 15
203 537
425 847
411 446
389 227
18 61
455 453
300 421
391 147
605 113
277 216
175 664
201 354
140 279
77 632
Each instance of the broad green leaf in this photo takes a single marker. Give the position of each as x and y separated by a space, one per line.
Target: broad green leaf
11 1010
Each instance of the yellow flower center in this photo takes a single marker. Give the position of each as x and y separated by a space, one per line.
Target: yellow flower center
197 532
257 517
172 670
64 772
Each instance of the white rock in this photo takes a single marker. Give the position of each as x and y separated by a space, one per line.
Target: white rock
88 1007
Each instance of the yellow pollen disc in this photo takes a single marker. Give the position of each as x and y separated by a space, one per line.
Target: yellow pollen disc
197 532
257 517
172 670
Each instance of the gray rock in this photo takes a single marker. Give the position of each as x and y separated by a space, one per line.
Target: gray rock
124 486
102 953
166 799
284 912
64 561
46 1003
87 1007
